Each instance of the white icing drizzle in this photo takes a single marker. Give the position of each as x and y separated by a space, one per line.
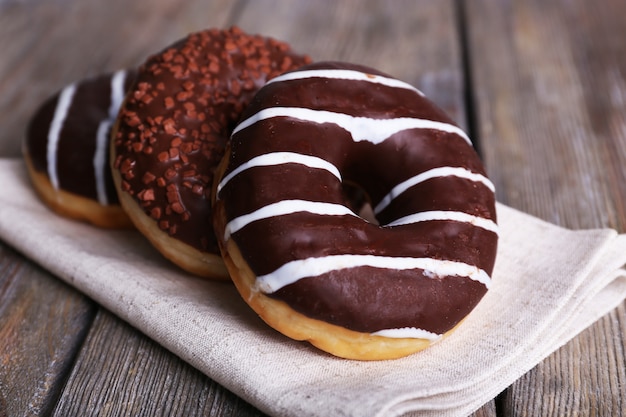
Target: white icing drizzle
279 158
343 74
99 160
99 157
60 114
285 207
430 174
407 333
296 270
457 216
117 93
361 128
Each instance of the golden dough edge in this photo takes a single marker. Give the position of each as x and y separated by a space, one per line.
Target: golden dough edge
74 206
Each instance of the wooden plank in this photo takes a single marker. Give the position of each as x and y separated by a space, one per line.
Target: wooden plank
586 374
487 410
55 43
120 372
415 41
549 81
42 324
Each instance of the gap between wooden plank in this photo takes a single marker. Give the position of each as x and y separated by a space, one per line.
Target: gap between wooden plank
552 125
467 86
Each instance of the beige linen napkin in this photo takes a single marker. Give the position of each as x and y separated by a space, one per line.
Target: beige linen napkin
549 284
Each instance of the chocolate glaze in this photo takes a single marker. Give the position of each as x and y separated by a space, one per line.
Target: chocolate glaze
299 236
364 299
347 298
175 123
89 107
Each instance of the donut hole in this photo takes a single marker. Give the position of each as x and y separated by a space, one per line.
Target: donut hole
359 202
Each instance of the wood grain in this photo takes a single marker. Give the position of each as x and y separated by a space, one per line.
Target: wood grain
549 85
47 44
120 372
415 41
42 324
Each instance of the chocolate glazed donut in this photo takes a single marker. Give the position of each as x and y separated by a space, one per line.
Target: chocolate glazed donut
171 134
66 149
311 267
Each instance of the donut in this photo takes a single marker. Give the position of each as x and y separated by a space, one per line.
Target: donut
171 134
66 150
357 288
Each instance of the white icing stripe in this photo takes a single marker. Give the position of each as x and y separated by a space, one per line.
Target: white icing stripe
282 208
117 93
279 158
99 160
457 216
60 114
426 175
361 128
407 333
311 267
343 74
102 139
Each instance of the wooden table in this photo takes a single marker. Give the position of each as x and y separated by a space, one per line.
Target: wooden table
540 86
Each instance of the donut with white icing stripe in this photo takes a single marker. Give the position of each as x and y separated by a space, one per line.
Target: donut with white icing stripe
312 268
66 149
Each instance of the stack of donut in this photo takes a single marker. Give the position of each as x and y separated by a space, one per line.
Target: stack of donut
277 215
168 135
